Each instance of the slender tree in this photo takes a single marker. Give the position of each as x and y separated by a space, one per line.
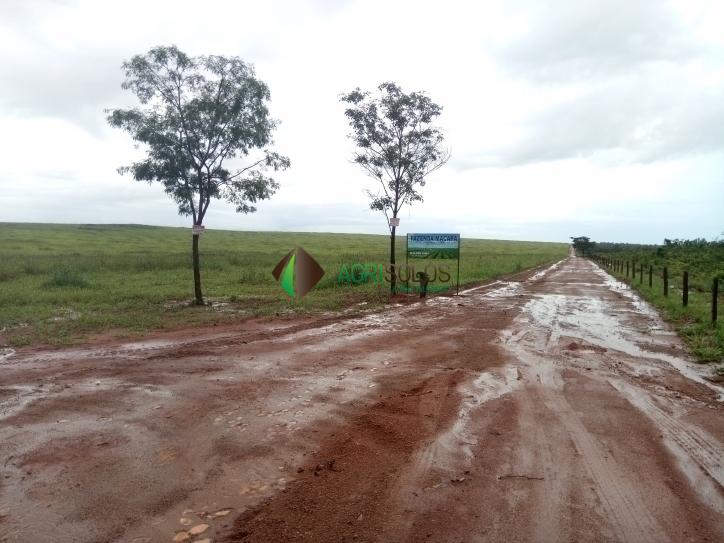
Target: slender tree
197 115
398 145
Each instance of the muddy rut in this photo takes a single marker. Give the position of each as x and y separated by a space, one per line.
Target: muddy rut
553 406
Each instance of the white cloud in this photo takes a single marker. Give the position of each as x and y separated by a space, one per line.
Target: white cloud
575 117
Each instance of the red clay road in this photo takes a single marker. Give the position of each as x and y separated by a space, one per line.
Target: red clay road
555 406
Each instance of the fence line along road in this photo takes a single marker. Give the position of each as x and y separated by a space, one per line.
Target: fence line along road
628 268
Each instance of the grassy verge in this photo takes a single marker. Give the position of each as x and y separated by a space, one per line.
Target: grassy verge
693 323
61 283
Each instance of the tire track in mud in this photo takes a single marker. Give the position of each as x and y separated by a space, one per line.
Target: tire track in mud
622 502
554 491
370 473
535 340
448 456
502 414
688 443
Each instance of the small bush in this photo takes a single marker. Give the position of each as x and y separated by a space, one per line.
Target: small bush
65 277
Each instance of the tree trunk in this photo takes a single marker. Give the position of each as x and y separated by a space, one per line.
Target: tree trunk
197 271
393 271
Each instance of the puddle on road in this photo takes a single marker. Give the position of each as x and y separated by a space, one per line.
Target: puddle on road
19 396
5 354
593 320
460 438
640 306
111 351
489 285
543 273
509 289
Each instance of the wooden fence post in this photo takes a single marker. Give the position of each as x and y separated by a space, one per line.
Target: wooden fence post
714 298
651 276
685 293
666 281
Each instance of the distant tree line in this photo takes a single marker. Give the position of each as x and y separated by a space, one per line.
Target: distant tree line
696 243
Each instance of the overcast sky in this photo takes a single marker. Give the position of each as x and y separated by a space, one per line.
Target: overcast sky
599 118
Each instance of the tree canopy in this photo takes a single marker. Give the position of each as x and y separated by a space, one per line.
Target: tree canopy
582 244
397 143
197 114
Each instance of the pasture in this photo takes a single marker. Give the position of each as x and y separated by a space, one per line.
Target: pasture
62 283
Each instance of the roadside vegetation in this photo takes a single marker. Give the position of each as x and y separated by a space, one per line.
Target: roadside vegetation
398 146
61 283
198 117
704 260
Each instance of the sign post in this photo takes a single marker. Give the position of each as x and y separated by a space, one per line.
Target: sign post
435 246
457 287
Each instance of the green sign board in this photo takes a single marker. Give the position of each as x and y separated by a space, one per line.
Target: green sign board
433 245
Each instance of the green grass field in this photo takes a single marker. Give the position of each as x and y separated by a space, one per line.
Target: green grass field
703 261
61 283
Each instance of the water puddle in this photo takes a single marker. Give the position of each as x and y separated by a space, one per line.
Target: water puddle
20 397
593 321
539 275
460 438
5 354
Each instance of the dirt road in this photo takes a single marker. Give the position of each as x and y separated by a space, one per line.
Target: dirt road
552 407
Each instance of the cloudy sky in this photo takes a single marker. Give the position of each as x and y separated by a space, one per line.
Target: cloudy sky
600 118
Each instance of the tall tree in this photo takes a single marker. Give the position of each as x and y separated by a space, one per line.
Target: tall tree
398 145
198 114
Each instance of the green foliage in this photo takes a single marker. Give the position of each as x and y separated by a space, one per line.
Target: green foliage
582 245
703 259
139 276
397 144
199 113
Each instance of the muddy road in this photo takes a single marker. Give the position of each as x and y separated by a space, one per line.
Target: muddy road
555 406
